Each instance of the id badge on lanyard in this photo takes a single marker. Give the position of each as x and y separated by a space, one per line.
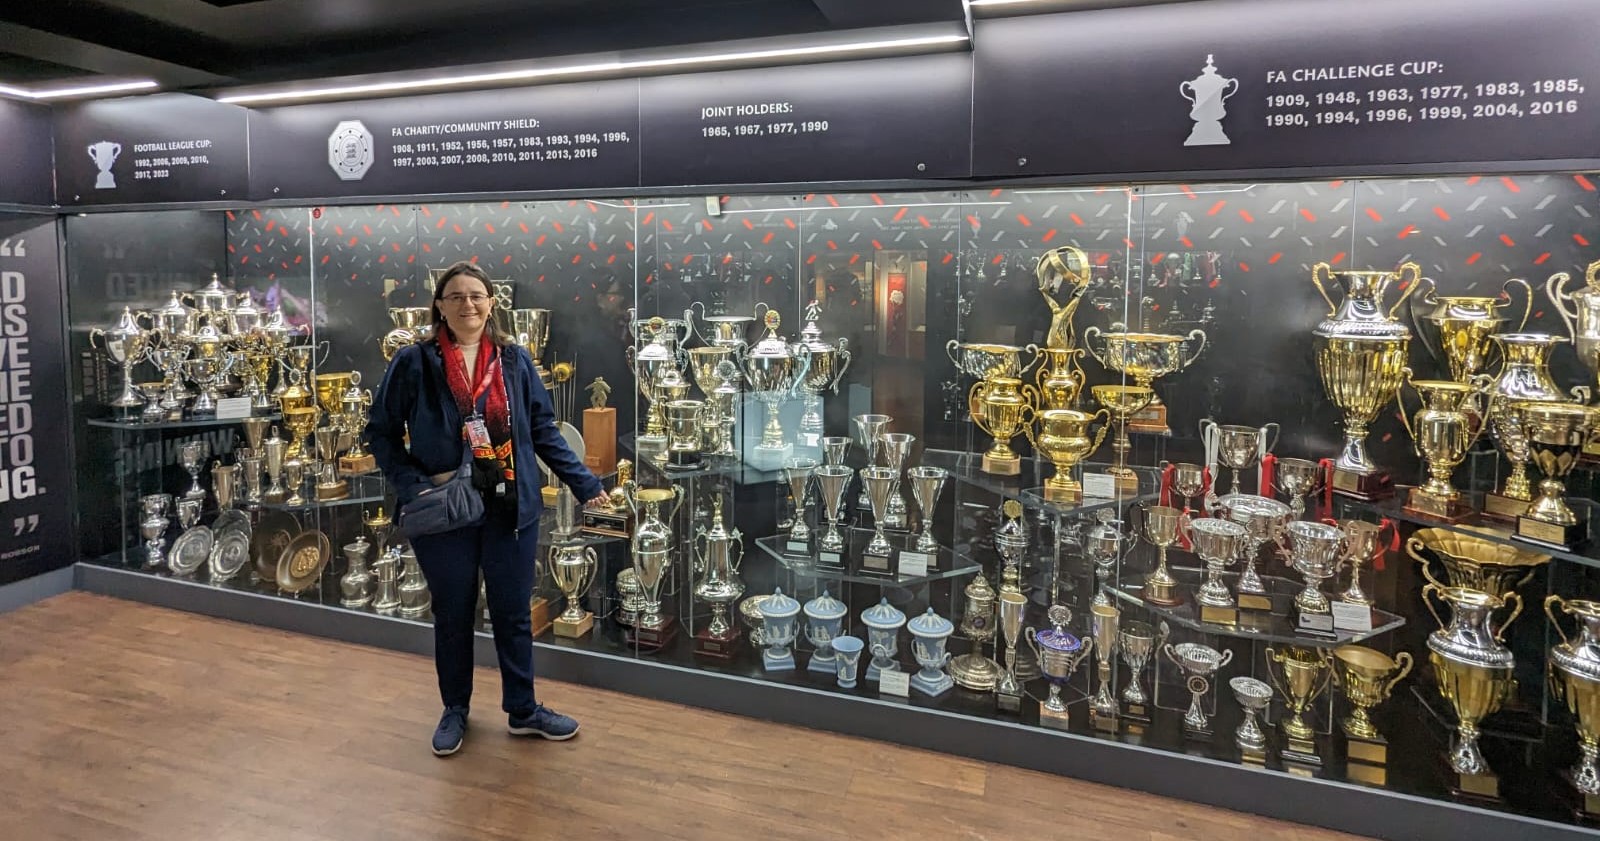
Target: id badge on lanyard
477 432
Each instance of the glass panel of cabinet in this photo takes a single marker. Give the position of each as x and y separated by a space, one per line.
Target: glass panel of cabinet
1261 472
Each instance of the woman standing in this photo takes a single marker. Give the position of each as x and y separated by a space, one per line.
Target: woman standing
470 386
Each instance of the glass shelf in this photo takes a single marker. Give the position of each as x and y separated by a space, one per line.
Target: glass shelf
945 563
139 426
1499 531
1028 486
314 505
1268 627
733 467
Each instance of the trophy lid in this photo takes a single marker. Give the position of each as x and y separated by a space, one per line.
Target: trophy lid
931 624
883 615
979 590
1058 638
773 345
1011 534
825 606
750 609
779 606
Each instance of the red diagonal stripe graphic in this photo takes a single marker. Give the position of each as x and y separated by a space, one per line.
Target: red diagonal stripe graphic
1506 238
1539 260
1216 208
1245 215
1440 212
1584 182
1474 257
1375 215
1306 212
1510 184
1407 231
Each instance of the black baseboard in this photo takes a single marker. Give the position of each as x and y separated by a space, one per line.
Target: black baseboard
1339 806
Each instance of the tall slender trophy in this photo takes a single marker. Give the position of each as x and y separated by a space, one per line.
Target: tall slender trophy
880 483
1011 543
1575 664
869 431
1367 677
655 362
652 543
829 361
1064 275
927 483
798 473
773 367
1103 624
1301 676
1161 523
1008 691
1361 357
573 566
1138 642
832 480
1475 674
1446 426
718 552
531 329
896 449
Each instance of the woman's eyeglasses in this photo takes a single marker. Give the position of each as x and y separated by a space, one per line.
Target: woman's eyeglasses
458 300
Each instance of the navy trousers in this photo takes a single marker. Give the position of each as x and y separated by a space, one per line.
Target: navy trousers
509 562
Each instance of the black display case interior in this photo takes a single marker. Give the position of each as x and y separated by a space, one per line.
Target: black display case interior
898 280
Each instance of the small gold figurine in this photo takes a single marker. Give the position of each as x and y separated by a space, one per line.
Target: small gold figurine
599 393
617 500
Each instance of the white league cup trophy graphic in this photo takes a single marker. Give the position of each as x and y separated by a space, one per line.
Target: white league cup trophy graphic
1206 93
104 154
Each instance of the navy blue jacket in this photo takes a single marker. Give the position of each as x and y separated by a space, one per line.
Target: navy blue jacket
414 395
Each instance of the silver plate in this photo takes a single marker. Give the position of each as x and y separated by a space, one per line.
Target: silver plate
191 550
232 520
229 553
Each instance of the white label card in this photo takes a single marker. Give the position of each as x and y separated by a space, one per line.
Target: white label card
829 557
913 564
1352 617
1100 485
895 683
233 408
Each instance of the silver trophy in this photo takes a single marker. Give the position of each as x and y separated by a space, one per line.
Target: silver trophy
1137 642
357 585
927 483
1008 692
869 429
1216 542
832 480
1254 696
798 472
153 527
192 456
896 449
1104 625
835 448
879 483
1199 662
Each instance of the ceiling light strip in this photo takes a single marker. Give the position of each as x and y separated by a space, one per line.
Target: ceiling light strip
85 90
528 74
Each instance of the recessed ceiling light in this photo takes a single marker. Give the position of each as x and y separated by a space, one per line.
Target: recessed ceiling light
84 90
599 68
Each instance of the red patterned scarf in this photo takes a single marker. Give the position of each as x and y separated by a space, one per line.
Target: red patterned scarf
497 408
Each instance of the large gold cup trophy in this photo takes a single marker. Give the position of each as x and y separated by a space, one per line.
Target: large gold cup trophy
1444 429
1001 407
1361 358
1063 438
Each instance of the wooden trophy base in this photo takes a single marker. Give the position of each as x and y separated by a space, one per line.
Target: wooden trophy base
1553 535
1151 419
539 612
716 646
357 466
1105 722
1504 507
332 491
1055 720
1162 593
1127 483
1367 760
609 523
1366 486
654 639
1434 507
600 439
573 630
1301 752
1002 465
1480 788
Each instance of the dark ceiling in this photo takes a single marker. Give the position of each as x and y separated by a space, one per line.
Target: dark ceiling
205 43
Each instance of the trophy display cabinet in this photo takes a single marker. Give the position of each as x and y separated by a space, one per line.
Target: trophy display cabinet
1285 484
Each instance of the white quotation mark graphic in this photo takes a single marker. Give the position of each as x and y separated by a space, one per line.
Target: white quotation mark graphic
9 250
24 525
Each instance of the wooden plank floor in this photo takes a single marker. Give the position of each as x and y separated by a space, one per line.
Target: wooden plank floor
124 721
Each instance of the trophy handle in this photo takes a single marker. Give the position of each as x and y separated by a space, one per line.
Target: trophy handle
844 365
1591 275
1404 661
1230 89
677 496
1317 272
736 551
974 400
1429 297
1197 335
1551 601
1029 634
697 562
1031 394
1083 653
1581 393
633 323
950 348
760 311
805 368
96 333
1500 632
1405 414
1272 674
1227 657
1032 362
1273 441
1412 545
1527 289
591 569
1432 588
1186 91
1088 344
1415 272
630 494
1555 289
688 319
1100 438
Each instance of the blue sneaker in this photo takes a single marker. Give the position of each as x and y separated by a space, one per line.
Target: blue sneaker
545 722
451 732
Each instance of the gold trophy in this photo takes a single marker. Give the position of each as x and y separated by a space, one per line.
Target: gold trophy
1161 523
301 421
573 566
1367 677
1060 378
1360 546
531 328
1123 402
1557 434
1485 564
354 406
1463 325
1443 430
1575 667
1001 406
329 485
330 389
984 361
411 325
1511 438
1063 438
1144 357
1067 267
1475 675
1301 676
1361 357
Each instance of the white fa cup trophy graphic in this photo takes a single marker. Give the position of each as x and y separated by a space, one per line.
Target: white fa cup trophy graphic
1206 93
104 154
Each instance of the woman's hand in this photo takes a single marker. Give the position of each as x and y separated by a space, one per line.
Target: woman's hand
598 501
